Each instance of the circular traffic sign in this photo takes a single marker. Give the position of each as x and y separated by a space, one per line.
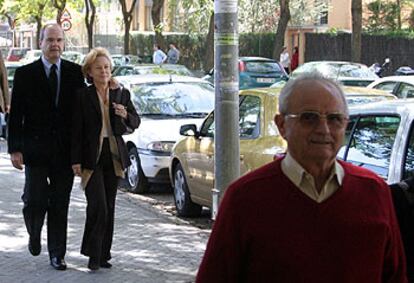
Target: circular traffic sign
66 24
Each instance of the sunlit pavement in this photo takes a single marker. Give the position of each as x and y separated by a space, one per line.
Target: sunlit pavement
149 246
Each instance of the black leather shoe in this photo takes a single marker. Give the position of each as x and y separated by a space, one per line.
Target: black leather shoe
58 263
93 263
105 264
34 246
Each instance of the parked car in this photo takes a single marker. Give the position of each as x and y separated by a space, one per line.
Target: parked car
143 69
164 103
401 86
192 160
122 59
73 56
347 73
380 137
3 126
11 69
256 72
16 54
31 56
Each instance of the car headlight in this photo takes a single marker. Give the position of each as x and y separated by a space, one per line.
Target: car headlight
160 147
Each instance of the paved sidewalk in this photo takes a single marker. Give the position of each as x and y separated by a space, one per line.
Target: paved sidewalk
149 246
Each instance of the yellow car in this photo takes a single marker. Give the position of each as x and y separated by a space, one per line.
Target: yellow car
192 161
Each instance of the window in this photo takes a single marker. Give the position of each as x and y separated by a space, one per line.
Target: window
387 86
405 91
409 156
370 140
249 116
249 119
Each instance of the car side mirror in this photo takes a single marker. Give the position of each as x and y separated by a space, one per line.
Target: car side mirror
189 130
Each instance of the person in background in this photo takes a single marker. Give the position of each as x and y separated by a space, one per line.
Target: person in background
285 59
39 131
173 54
4 88
295 59
99 155
307 217
158 57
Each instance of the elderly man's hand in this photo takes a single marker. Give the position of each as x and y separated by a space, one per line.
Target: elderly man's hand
17 160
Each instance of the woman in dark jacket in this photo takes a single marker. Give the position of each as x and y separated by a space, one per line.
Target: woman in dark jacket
99 155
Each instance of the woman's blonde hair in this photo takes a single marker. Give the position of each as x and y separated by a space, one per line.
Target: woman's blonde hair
90 58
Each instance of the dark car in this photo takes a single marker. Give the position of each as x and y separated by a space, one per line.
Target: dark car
256 72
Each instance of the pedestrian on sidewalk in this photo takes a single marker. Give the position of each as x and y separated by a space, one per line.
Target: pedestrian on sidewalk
307 217
173 54
39 137
99 154
285 59
158 57
295 59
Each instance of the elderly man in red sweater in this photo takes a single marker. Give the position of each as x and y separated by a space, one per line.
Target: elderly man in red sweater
307 217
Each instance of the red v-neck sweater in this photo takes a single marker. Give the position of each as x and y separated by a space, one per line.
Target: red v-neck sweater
267 230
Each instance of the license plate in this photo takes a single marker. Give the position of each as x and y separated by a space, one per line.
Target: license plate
266 80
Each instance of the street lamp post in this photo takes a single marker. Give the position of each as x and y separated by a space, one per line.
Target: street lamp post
226 79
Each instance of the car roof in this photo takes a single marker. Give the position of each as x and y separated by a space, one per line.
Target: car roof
386 106
253 58
157 78
334 62
354 90
408 79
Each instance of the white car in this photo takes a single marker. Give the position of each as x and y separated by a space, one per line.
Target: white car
400 86
164 103
380 137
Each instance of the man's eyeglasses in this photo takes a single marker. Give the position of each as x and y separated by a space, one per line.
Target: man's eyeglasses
313 118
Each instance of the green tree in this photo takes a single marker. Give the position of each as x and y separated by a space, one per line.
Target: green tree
157 5
60 6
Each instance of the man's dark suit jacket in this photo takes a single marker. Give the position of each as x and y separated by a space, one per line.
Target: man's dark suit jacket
37 127
87 125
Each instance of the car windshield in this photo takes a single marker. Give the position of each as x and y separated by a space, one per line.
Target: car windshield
262 67
336 70
179 99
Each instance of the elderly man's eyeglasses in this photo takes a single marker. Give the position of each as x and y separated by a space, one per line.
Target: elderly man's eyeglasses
313 118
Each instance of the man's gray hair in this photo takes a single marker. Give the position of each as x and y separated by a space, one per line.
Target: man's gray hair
292 84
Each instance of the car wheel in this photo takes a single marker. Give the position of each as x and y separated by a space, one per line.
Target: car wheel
183 203
135 178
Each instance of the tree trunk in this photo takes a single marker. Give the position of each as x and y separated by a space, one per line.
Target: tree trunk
89 21
208 63
356 10
60 6
127 15
399 14
281 28
156 21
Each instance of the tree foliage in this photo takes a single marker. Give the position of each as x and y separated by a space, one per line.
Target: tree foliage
385 15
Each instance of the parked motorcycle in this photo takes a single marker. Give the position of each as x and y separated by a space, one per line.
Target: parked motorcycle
379 69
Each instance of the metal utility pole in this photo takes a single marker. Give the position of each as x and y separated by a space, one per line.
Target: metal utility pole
226 80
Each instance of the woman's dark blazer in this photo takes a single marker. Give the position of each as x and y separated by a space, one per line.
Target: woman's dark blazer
87 125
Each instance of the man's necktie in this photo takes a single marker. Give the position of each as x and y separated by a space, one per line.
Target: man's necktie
53 82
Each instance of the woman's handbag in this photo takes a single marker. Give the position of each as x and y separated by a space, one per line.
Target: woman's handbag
120 126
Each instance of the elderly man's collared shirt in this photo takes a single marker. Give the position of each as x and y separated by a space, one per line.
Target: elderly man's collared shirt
306 183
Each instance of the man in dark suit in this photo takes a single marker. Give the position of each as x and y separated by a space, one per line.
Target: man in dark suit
39 138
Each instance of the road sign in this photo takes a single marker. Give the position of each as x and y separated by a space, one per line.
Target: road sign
66 14
66 24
